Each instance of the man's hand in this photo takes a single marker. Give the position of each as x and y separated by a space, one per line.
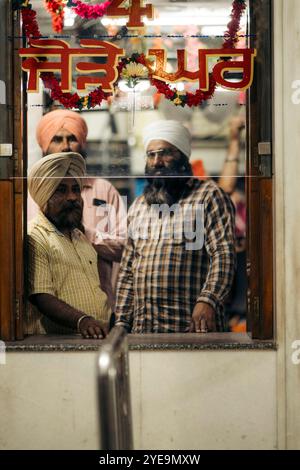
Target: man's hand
203 318
91 328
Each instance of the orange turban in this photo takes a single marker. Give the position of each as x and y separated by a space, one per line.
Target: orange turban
52 122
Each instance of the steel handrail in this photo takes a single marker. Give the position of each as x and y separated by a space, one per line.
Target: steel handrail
114 392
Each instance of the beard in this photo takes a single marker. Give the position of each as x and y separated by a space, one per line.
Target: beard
163 187
68 218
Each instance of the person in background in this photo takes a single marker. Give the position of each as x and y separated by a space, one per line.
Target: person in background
177 268
232 184
64 284
104 215
198 169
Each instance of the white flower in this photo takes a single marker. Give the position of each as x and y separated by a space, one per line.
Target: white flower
134 70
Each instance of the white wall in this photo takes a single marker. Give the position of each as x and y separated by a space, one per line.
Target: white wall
181 400
205 400
287 204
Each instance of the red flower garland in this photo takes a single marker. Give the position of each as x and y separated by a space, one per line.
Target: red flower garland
197 98
72 100
88 11
238 8
56 8
191 99
29 23
69 100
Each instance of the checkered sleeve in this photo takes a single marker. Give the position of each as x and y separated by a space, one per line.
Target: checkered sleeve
220 247
125 295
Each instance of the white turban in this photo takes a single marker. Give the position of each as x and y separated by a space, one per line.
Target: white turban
170 131
46 175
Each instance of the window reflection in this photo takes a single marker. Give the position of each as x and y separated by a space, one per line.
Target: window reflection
114 146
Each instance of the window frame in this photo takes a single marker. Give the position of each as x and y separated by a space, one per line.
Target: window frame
12 187
259 187
260 262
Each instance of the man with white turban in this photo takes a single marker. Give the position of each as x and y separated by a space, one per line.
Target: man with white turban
104 216
179 261
64 284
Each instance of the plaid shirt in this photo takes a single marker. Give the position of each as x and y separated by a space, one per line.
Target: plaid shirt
161 278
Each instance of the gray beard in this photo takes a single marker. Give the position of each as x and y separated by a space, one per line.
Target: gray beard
162 190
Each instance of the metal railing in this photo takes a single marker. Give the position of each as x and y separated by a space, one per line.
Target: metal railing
114 403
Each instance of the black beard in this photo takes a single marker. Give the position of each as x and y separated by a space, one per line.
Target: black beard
68 218
162 190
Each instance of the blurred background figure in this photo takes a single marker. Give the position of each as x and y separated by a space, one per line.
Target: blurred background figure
198 169
234 185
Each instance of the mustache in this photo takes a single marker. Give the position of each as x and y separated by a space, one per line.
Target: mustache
71 206
162 172
181 167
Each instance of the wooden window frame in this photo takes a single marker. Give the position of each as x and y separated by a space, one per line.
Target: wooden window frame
12 188
259 187
260 262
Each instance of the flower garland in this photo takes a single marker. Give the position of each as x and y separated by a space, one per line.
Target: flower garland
126 66
172 94
28 15
238 8
56 8
88 11
196 99
132 69
72 100
180 98
68 100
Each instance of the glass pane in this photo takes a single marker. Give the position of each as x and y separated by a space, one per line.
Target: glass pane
114 144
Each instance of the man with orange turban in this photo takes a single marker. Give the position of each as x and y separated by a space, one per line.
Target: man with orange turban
104 217
57 123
